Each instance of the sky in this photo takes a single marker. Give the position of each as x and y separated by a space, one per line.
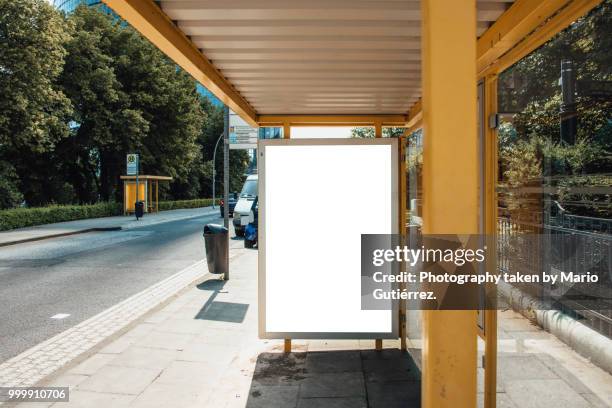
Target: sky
316 132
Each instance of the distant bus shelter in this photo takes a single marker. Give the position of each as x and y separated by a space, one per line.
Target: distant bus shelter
148 191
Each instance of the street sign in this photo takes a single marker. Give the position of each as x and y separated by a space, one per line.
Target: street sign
241 135
132 164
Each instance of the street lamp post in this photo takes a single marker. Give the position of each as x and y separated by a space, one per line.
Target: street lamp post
214 173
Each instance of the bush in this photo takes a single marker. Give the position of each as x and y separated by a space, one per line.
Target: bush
174 205
27 217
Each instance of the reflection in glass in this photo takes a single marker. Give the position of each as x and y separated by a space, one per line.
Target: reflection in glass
555 160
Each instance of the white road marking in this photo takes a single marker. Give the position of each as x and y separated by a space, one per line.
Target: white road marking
60 316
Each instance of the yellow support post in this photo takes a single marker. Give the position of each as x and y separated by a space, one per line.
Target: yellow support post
286 131
490 223
450 188
287 346
378 130
403 188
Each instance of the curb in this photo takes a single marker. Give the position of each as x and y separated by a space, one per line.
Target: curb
584 340
62 234
46 358
97 229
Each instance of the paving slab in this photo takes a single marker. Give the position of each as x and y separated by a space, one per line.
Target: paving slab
544 394
358 402
266 396
328 385
87 399
119 380
226 365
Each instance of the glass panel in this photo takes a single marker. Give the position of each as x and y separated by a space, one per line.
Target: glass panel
554 180
414 222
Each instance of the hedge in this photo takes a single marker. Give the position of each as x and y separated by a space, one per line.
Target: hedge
174 205
27 217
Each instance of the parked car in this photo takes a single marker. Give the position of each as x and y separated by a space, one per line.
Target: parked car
233 199
245 203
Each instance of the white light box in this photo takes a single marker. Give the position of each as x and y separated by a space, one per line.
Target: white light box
316 198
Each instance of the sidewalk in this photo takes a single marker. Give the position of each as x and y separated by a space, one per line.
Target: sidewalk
97 224
202 350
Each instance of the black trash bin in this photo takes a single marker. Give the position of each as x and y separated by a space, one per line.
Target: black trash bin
139 209
216 244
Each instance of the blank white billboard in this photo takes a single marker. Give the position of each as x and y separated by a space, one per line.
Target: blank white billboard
316 198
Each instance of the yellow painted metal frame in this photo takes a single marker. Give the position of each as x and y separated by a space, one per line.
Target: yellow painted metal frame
490 228
512 27
449 378
555 24
146 17
332 120
450 175
524 27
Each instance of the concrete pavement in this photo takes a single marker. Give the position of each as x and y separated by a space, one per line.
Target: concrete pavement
202 350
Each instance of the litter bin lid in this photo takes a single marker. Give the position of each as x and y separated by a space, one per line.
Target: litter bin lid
214 229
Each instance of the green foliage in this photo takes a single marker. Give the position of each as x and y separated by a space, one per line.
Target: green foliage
532 154
25 217
79 92
33 108
129 98
10 196
173 205
368 132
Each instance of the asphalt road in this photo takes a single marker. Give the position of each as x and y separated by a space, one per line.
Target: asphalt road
83 275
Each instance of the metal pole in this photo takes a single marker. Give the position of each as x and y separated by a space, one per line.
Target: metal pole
568 106
226 180
214 172
137 171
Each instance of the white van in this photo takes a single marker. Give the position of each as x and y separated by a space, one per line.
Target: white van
243 207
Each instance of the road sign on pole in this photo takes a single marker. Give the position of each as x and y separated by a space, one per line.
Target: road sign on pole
241 134
132 167
132 164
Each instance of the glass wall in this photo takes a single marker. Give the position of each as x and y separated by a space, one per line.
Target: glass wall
69 5
555 156
414 223
270 132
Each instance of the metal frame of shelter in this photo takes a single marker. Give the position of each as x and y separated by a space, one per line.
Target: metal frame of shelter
455 57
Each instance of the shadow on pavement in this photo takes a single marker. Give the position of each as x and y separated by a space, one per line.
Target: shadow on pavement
220 311
351 379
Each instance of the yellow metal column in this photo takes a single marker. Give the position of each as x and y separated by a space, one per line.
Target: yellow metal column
378 130
287 135
490 168
450 188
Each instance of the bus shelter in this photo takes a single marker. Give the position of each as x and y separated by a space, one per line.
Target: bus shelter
429 64
148 191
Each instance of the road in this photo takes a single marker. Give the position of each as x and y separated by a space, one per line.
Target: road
83 275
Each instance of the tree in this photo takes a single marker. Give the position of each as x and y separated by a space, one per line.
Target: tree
531 150
33 108
128 97
368 132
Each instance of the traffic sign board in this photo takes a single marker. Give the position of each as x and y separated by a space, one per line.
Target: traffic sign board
132 164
